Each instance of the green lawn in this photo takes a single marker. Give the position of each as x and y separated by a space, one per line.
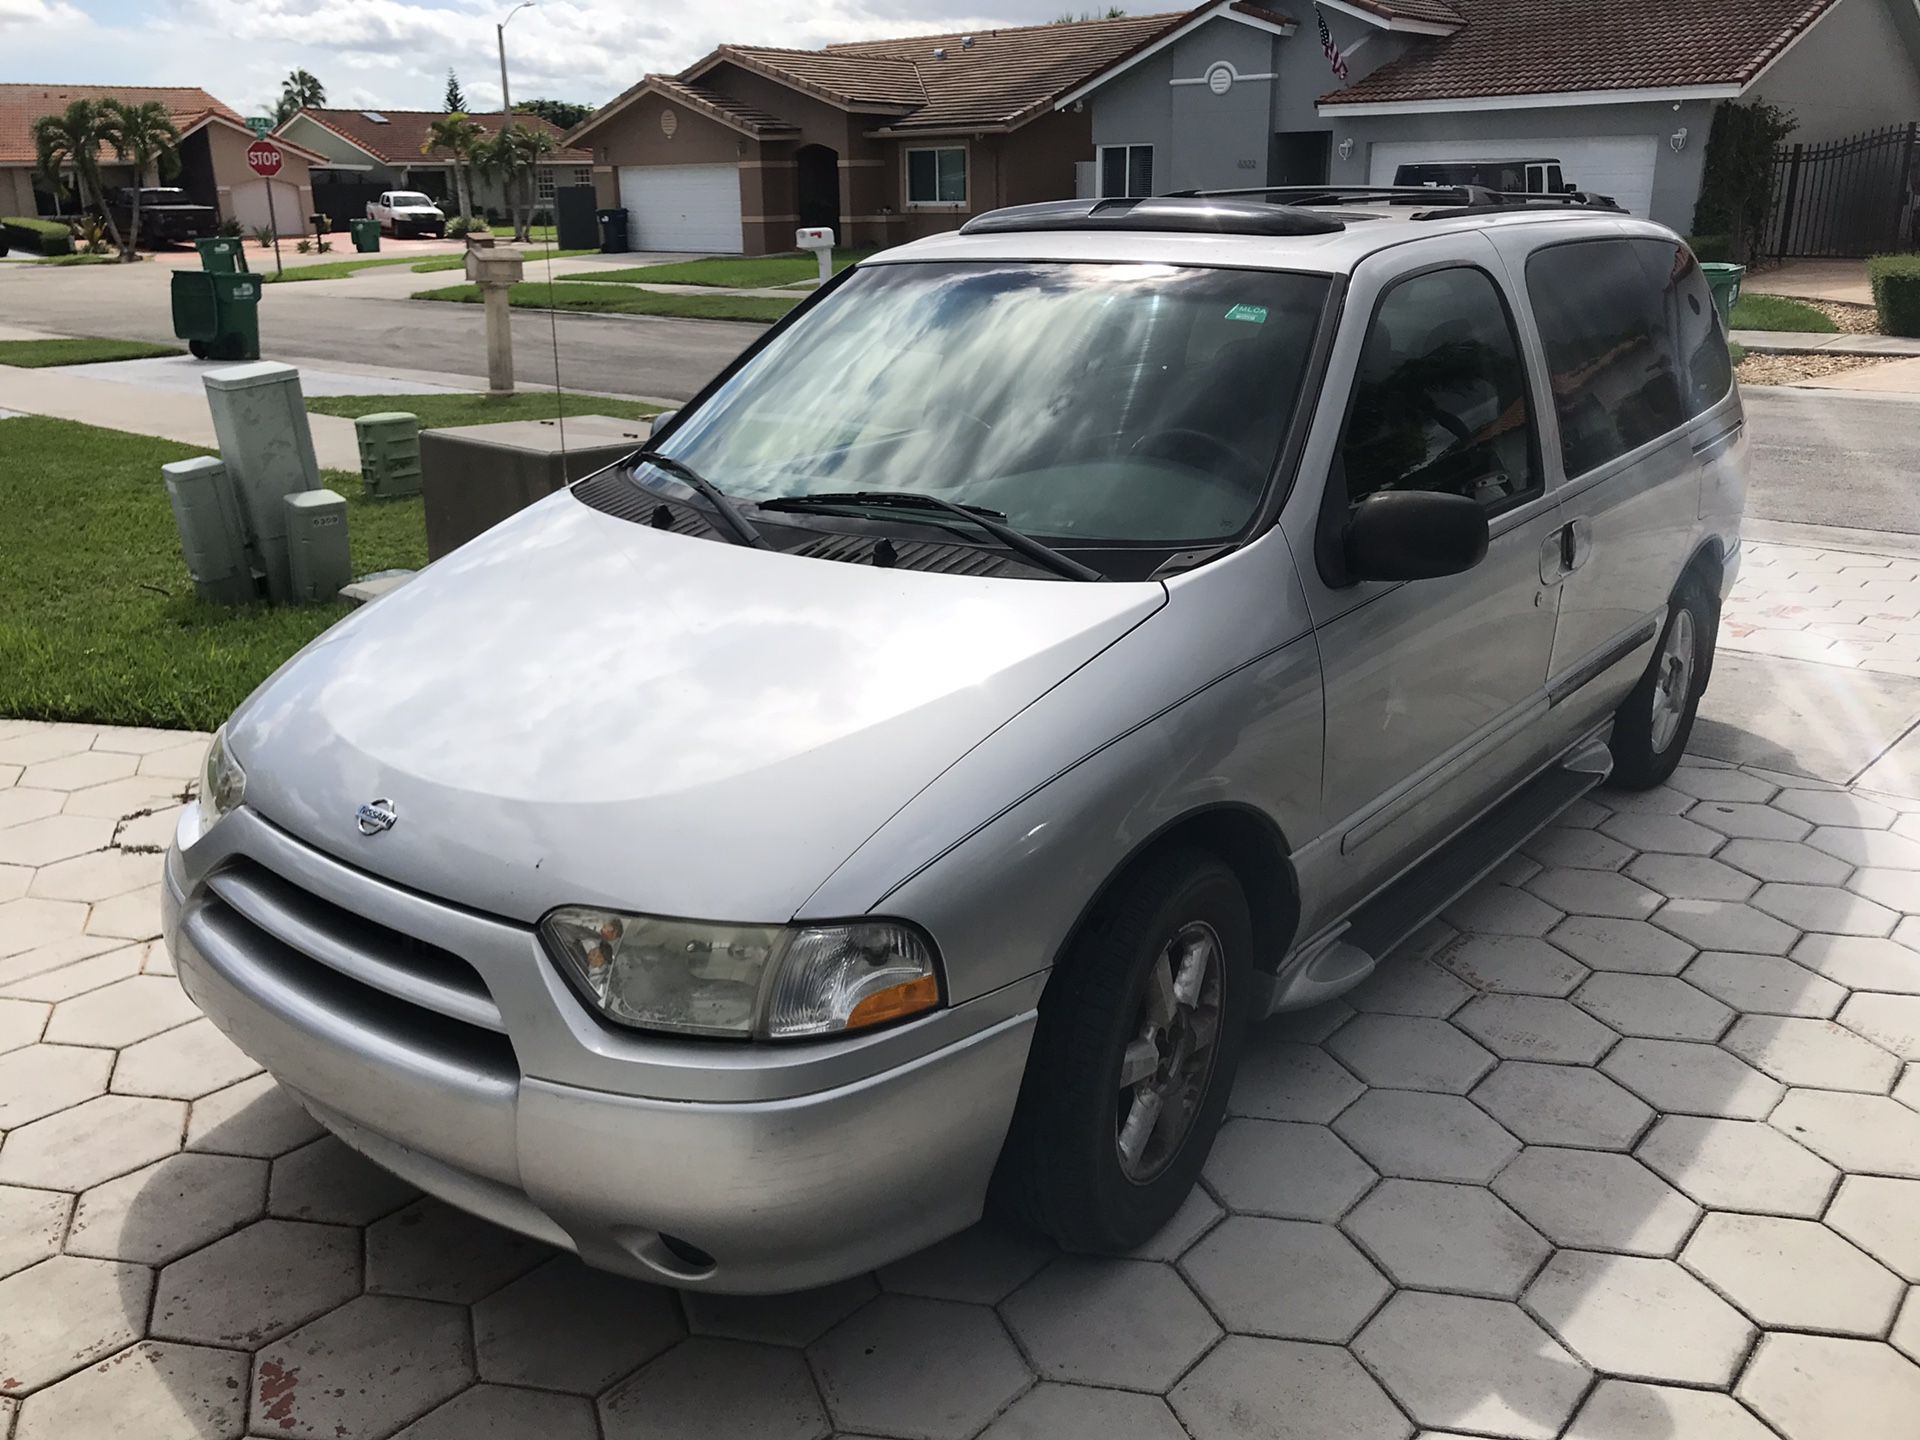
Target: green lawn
35 354
440 411
624 300
98 620
326 270
735 273
459 262
1776 312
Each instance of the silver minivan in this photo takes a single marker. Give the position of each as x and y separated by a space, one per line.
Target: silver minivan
1054 648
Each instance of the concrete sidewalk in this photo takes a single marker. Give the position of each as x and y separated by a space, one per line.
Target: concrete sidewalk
1795 342
1841 281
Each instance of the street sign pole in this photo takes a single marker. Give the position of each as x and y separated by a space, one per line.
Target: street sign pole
265 158
273 224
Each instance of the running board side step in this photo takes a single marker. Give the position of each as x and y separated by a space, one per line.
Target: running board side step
1344 957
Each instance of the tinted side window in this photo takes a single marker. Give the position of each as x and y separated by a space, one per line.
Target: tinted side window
1700 344
1610 350
1440 400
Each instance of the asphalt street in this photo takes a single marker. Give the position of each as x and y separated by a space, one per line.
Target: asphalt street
1826 457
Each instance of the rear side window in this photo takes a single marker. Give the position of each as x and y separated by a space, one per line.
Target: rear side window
1440 400
1700 343
1610 349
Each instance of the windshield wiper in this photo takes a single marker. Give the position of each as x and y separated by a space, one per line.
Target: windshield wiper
991 521
742 528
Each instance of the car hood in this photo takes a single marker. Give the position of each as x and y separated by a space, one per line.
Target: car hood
417 210
577 709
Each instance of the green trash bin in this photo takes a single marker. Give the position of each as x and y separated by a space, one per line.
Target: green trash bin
221 254
217 314
1724 281
366 235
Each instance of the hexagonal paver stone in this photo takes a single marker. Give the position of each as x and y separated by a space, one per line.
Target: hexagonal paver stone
1594 1200
51 838
1793 1274
1705 783
1656 1006
1197 1215
41 1080
363 1369
1835 807
1862 962
77 772
151 1390
1458 1238
80 1147
1878 1214
1895 889
1479 1365
1629 1410
173 1206
1664 834
121 1013
1889 1021
98 876
567 1327
495 1412
255 1117
1817 1054
1783 860
65 1313
1738 1165
1426 1137
335 1184
1284 1278
1660 800
1765 985
1404 1052
1576 848
797 1318
1630 945
1296 1172
1309 1026
1906 1330
1682 1078
1726 925
1825 908
1532 1027
1076 1412
983 1264
1596 892
184 1063
1150 1326
1410 987
1251 1389
31 1224
1816 1387
1692 877
433 1251
1882 849
22 1022
19 805
1741 821
717 1387
257 1284
928 1369
1870 1134
76 976
1640 1318
1562 1105
1491 908
1284 1081
1512 965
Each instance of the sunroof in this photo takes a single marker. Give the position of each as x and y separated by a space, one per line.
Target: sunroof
376 117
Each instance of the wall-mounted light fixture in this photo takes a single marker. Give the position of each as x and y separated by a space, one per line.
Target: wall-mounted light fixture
1346 148
1678 140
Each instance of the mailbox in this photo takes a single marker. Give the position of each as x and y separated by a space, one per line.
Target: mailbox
819 237
494 267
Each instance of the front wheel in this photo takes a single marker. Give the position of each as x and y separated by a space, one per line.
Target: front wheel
1135 1051
1651 730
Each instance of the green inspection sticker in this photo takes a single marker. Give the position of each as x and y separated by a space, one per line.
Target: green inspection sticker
1256 313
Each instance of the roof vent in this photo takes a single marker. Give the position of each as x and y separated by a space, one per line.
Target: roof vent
376 117
939 52
966 42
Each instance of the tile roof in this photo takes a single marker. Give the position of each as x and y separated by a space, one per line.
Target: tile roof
1434 11
1546 47
721 106
400 140
21 105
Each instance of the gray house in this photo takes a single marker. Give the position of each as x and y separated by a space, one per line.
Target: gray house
1620 94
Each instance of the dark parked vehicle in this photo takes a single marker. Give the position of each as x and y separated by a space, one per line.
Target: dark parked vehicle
165 214
1535 177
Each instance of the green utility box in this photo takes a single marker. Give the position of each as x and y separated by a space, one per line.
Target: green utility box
1724 281
366 235
218 315
221 254
389 453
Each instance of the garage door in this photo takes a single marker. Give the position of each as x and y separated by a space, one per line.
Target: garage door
682 207
248 200
1618 166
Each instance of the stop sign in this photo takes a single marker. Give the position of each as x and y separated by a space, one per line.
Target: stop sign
264 158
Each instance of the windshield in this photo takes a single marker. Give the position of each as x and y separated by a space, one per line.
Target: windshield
1086 403
410 197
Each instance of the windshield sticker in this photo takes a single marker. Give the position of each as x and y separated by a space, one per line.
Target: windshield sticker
1256 313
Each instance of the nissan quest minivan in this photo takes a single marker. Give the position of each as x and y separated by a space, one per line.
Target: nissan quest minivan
1054 648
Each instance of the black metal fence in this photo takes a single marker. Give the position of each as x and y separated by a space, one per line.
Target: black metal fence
1844 197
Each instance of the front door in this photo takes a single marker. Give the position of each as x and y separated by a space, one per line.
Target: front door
1434 688
1299 157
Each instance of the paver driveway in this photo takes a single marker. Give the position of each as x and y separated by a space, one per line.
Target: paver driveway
1627 1146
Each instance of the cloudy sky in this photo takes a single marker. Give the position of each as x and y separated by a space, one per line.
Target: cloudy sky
396 52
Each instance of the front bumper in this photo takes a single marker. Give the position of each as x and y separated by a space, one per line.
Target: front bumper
789 1166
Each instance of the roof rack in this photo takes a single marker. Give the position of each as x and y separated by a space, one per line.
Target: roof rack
1455 200
1224 214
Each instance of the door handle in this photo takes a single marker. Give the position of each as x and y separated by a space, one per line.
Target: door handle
1578 544
1565 550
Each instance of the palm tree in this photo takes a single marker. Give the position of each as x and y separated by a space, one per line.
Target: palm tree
524 148
299 91
455 136
74 137
143 136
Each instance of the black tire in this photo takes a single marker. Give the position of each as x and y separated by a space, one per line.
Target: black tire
1061 1170
197 349
1646 750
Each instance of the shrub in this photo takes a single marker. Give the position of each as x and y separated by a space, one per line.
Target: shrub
462 226
1736 182
229 228
263 235
1712 249
44 237
1896 293
305 247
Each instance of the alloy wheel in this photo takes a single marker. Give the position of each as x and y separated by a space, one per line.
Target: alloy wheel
1165 1067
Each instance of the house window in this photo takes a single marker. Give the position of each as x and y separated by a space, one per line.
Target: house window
543 184
1126 170
583 175
937 177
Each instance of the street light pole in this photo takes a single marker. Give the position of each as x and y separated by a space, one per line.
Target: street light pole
500 34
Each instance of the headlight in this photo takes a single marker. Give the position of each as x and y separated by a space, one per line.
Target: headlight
693 977
223 784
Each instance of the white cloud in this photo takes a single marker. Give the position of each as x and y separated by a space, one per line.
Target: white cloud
18 14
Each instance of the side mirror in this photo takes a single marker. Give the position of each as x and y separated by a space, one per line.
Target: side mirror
1415 535
662 421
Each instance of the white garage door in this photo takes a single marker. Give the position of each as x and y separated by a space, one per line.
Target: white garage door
250 208
1618 166
682 207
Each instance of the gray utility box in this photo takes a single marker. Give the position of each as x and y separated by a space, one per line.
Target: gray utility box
211 535
260 421
475 476
319 562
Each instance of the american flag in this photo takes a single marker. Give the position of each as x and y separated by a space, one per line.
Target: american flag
1335 59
